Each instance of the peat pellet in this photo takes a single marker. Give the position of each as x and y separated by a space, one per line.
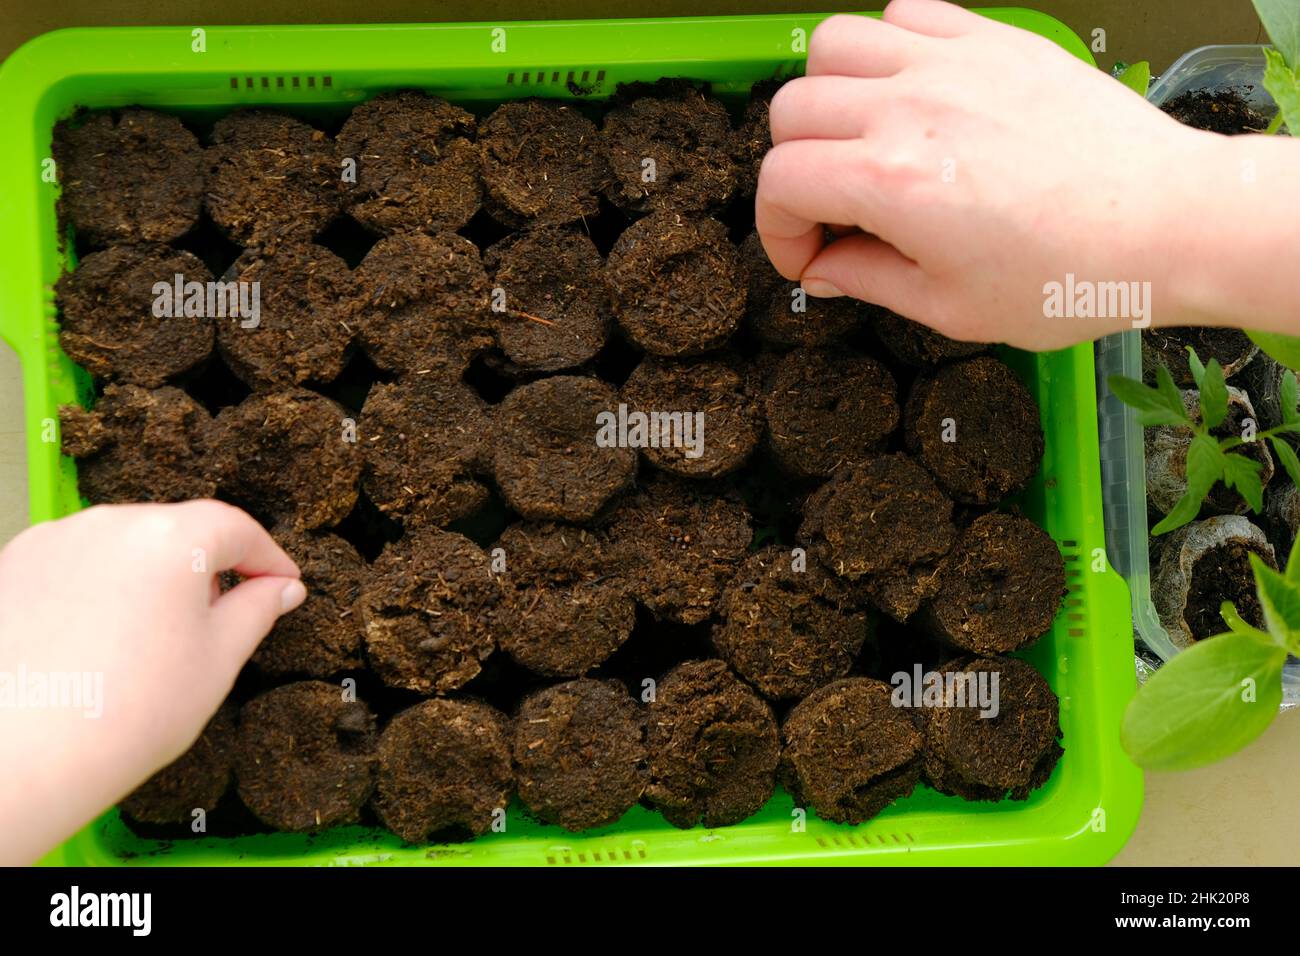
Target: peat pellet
556 311
580 754
1219 110
550 459
139 444
787 625
1000 587
849 752
912 343
976 753
826 408
306 302
676 284
713 747
323 636
305 757
128 177
1282 511
564 611
430 609
444 765
271 177
704 418
416 164
670 148
110 322
782 315
1200 566
292 456
753 137
877 516
1261 380
1168 346
678 543
424 442
977 430
1166 448
542 162
424 303
196 780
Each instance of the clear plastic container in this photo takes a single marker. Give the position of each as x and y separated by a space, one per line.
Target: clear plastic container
1123 468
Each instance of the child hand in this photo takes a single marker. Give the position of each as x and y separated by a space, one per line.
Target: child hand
125 601
979 163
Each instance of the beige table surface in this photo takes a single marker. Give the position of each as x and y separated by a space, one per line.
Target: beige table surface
1238 812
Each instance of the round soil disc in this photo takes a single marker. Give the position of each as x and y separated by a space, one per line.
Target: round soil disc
443 765
784 317
714 422
271 177
990 758
677 545
323 636
999 588
548 460
849 752
291 456
826 408
416 164
108 324
674 152
141 445
542 161
197 780
713 747
138 177
676 285
877 516
556 311
307 300
305 757
430 609
424 440
788 631
564 613
424 303
580 754
977 429
918 345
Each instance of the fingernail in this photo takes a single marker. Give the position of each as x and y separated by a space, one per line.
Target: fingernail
293 594
820 289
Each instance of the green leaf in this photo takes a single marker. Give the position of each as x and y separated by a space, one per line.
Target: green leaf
1281 348
1242 474
1280 599
1198 707
1281 19
1173 397
1237 624
1293 562
1283 84
1287 456
1194 363
1136 76
1214 395
1203 470
1206 463
1153 405
1288 394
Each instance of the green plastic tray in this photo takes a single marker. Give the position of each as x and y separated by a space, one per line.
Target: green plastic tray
1085 812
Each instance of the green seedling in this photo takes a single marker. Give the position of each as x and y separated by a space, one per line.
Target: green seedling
1136 76
1209 458
1222 692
